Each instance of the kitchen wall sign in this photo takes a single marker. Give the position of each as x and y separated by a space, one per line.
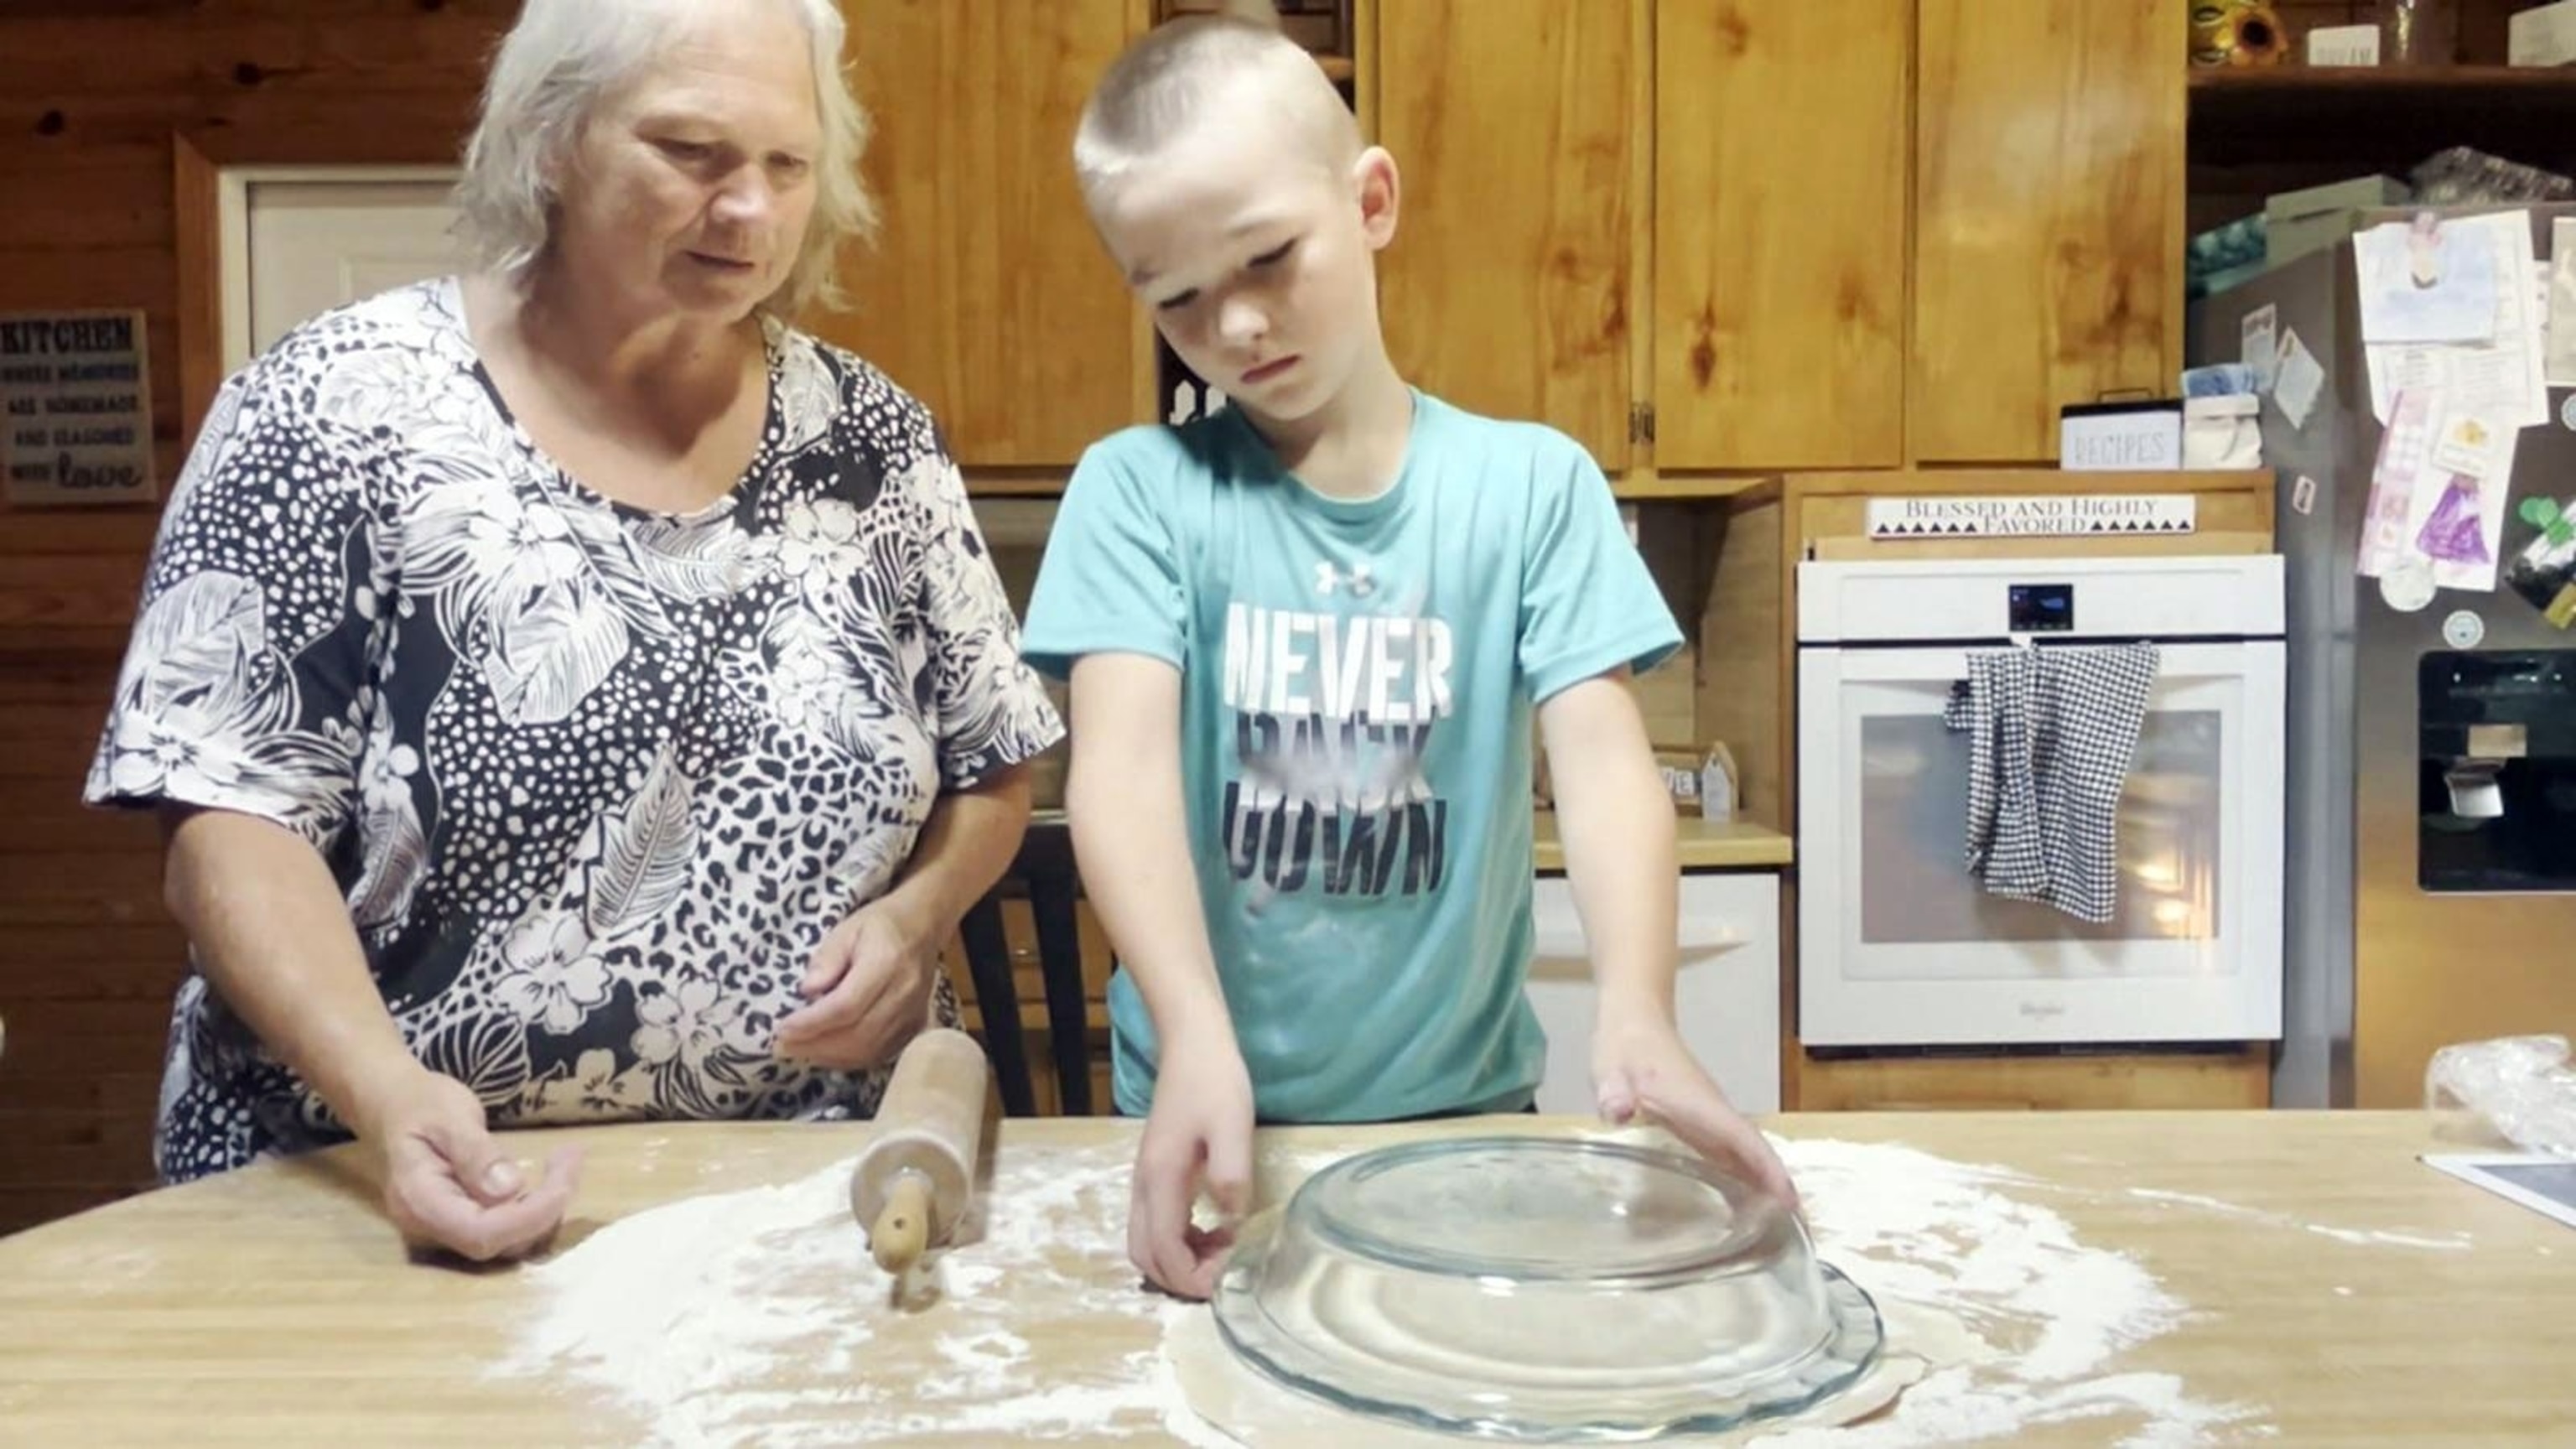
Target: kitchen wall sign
2077 515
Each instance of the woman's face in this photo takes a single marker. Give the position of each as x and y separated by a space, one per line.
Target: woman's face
690 190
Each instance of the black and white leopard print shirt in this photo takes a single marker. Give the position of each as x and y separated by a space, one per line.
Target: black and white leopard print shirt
594 780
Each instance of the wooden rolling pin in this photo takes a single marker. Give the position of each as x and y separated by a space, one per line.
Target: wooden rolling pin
917 1176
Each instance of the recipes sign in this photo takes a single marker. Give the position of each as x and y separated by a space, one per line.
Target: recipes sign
75 408
2089 514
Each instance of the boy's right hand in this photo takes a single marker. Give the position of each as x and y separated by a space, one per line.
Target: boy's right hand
1201 1122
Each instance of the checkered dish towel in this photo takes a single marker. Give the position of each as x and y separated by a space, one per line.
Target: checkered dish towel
2052 731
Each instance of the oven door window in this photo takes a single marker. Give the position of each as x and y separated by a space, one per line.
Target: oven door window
1915 884
1907 905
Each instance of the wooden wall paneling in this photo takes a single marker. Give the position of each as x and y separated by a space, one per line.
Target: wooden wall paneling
1741 670
94 98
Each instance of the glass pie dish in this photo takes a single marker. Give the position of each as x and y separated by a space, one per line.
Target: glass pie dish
1543 1290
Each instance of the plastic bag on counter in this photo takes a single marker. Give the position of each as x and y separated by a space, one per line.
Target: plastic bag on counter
2520 1086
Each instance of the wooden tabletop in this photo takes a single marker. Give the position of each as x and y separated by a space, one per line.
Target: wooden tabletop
2313 1275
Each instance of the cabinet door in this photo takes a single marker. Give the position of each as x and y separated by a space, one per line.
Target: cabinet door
2048 217
1506 291
1726 987
987 296
1780 164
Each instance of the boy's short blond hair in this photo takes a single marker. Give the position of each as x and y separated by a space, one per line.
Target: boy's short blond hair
1236 67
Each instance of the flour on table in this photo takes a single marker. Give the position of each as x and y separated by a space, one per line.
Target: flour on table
2051 1313
756 1316
2455 1242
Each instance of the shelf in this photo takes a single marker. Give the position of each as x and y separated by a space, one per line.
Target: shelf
1648 487
2379 113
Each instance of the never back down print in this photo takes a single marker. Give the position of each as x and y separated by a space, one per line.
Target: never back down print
1332 715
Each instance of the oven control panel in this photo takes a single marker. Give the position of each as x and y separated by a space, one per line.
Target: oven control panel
2042 608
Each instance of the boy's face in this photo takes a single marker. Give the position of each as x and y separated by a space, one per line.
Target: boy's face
1256 262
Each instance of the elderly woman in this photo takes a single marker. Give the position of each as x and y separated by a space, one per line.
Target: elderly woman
576 695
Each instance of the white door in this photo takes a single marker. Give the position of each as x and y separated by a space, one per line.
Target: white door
1900 945
302 240
1726 995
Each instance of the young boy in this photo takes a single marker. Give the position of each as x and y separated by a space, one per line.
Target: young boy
1305 637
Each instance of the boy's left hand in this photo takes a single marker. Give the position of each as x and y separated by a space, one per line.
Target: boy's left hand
1640 1066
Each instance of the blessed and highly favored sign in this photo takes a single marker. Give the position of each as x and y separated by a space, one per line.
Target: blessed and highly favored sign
75 408
2025 517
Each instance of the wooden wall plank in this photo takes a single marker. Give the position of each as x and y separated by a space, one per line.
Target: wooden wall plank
119 55
91 98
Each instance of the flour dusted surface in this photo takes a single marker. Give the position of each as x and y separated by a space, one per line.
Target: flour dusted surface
756 1317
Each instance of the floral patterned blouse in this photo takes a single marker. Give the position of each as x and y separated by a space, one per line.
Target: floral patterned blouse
594 780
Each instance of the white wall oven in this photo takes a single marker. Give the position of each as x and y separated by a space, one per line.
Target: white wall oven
1900 943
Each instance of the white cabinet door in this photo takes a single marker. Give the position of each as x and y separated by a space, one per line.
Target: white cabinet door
1727 997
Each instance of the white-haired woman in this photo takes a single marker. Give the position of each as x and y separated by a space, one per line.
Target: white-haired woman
576 694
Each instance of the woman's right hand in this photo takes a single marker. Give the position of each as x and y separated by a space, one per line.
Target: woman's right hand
1201 1123
449 1185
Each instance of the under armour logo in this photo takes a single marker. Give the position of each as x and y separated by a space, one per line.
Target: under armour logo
1329 578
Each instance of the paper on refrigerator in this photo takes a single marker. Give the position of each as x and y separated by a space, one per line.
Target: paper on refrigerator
2456 516
2558 366
2502 377
2427 281
2405 452
2297 380
2437 493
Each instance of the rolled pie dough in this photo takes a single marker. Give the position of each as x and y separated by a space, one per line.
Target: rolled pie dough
1245 1405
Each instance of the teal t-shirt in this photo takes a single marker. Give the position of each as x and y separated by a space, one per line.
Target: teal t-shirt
1357 688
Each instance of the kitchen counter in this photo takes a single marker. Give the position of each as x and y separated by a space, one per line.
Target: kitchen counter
2302 1268
1701 844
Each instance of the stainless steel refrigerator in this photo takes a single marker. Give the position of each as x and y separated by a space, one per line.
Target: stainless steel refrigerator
2430 864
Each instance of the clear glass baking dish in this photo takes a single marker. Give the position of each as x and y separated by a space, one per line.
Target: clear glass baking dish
1543 1290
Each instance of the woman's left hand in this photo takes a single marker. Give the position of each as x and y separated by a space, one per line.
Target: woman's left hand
868 989
1640 1066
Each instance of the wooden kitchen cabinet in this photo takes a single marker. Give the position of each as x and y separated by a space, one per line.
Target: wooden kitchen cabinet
2048 217
1507 289
1781 136
987 295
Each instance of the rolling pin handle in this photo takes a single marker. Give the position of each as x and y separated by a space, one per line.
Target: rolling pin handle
902 1231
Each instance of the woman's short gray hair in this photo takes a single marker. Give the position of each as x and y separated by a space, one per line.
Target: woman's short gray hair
564 57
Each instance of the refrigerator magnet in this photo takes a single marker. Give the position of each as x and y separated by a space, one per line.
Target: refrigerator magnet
2544 573
2408 587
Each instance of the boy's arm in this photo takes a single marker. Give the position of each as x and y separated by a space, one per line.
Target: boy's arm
1123 796
1123 799
1616 822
